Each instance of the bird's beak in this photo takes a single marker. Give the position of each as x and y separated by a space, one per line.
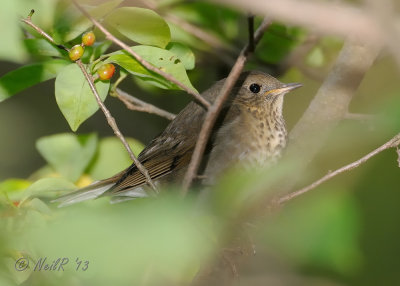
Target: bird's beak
284 89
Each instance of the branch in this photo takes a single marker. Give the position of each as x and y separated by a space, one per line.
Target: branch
214 110
29 22
330 104
113 125
392 143
110 119
324 17
146 64
134 103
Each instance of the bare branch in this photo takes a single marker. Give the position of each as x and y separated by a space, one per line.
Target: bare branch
325 17
134 103
146 64
29 22
214 110
394 142
330 105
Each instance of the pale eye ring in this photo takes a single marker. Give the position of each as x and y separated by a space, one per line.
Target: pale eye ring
255 88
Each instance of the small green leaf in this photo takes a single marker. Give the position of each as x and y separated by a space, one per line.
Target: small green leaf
27 76
316 57
48 187
183 53
277 42
67 153
140 25
38 206
41 47
112 157
100 48
14 188
74 97
163 59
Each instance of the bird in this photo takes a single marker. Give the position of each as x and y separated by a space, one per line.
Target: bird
250 131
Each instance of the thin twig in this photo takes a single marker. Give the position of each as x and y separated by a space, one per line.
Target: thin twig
134 103
392 143
110 119
146 64
113 124
29 22
214 110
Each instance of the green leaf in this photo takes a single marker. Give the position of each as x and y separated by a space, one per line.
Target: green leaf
29 75
112 157
277 42
316 57
82 24
11 47
163 59
14 188
49 187
74 97
183 53
67 153
42 47
100 48
140 25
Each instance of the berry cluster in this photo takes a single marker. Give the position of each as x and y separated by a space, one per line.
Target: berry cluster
106 71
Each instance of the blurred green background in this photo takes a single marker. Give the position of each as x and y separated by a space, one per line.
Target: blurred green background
345 232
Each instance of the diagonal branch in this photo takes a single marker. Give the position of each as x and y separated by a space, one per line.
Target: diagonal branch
392 143
214 110
134 103
113 124
146 64
29 22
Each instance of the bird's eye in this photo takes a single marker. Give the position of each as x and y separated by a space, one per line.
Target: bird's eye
255 88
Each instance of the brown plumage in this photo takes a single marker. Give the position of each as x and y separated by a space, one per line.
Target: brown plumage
250 130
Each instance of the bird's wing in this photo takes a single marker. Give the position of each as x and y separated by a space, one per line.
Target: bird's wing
159 165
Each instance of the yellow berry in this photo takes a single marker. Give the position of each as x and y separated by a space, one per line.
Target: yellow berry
76 52
88 38
106 71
